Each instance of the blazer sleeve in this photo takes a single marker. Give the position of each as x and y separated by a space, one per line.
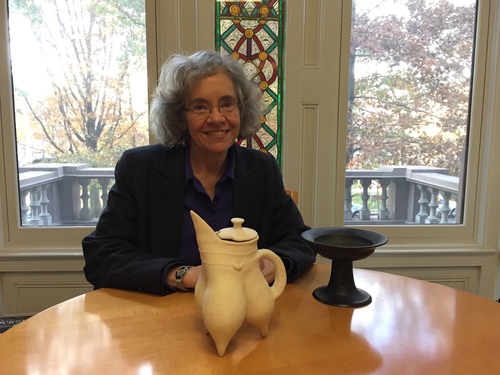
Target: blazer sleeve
118 253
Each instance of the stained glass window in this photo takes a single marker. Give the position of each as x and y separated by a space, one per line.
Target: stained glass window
250 31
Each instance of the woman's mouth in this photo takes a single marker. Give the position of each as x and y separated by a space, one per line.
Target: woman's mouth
218 133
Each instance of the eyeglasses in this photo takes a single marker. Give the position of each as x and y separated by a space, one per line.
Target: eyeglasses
203 110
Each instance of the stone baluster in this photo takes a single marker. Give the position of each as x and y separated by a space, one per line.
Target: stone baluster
95 200
423 202
45 217
384 212
35 207
85 212
364 213
104 182
348 199
24 208
445 207
433 205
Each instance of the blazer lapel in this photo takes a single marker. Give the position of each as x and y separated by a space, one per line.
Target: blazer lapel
248 189
166 199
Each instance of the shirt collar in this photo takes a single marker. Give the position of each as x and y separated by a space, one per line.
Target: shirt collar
228 173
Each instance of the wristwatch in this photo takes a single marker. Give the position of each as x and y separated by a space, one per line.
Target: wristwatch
179 275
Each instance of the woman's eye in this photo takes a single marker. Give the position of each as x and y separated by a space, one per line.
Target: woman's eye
199 107
226 105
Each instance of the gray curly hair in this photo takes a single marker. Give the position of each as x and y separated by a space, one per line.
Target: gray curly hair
178 75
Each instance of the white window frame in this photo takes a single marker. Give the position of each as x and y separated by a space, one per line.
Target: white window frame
320 160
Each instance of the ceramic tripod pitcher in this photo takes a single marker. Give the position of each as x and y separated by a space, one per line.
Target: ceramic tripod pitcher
231 288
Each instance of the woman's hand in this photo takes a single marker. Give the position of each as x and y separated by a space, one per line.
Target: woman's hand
268 270
191 277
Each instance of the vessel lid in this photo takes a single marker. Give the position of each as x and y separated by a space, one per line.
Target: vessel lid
237 233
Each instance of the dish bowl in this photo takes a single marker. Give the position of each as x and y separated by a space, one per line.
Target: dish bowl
343 246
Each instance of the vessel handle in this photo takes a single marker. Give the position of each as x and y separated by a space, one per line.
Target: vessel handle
280 276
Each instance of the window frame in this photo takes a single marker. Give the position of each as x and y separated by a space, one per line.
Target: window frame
478 231
330 181
466 234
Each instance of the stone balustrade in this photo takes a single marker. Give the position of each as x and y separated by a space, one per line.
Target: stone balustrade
63 194
74 195
404 195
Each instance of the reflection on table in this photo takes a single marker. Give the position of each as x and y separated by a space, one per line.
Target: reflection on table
411 327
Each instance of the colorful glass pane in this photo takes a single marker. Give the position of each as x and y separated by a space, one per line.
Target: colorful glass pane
250 31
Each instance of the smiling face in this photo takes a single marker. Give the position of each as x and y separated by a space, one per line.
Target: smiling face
212 135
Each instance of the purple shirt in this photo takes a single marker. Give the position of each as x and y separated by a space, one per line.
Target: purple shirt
217 212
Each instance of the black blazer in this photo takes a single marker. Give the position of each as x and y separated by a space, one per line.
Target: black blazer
139 231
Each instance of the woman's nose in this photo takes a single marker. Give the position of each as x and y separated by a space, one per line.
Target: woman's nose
215 113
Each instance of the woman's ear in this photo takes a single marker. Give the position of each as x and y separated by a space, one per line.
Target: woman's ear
185 137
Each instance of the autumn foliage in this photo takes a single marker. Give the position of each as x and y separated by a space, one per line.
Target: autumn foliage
95 59
410 105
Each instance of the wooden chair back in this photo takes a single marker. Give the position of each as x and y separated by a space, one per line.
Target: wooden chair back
294 194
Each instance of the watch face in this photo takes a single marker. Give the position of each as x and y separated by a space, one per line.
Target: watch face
180 272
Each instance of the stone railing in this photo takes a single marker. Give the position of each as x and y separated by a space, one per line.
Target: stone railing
404 195
63 194
74 194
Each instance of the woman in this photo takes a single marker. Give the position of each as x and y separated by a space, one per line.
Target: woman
145 238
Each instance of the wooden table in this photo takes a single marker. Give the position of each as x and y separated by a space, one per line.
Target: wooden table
411 327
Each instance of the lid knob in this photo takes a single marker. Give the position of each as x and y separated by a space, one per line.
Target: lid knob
237 232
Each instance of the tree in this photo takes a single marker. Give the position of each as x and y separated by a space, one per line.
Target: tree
92 52
413 109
